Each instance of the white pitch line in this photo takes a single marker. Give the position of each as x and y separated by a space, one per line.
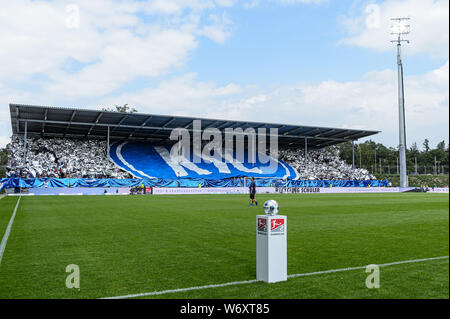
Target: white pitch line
154 293
363 267
8 230
182 289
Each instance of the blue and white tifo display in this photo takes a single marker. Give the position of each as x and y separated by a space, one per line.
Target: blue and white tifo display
146 160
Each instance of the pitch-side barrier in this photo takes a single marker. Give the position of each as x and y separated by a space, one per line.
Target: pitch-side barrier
221 190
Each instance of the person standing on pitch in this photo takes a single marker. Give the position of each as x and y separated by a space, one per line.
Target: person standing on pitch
252 191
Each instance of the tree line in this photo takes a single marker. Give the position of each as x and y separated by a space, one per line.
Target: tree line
379 159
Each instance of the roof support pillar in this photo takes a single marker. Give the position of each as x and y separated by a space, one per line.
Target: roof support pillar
353 154
107 143
25 143
306 148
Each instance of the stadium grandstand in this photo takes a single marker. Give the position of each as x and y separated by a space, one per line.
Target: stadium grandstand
65 145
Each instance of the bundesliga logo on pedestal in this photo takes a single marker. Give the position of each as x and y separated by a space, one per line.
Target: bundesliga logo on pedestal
277 226
262 225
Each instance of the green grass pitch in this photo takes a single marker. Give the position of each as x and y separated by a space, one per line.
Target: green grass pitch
137 244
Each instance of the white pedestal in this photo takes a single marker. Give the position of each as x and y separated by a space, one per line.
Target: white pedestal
271 248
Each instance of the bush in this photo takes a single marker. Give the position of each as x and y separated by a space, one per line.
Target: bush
417 180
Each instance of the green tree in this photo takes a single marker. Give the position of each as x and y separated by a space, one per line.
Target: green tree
120 108
3 161
369 154
426 145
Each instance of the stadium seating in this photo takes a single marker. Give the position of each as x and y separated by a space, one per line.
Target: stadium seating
61 158
83 158
323 165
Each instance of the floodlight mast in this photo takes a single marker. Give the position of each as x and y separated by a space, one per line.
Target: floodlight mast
400 28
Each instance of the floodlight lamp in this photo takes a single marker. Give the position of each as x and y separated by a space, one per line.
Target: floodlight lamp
400 27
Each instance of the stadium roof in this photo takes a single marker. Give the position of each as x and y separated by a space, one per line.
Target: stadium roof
46 121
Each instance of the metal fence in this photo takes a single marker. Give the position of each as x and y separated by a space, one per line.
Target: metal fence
411 170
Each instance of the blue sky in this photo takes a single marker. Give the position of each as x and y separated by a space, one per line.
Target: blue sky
311 62
293 43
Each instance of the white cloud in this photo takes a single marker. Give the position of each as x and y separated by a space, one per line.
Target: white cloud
229 89
37 36
251 4
218 30
370 103
175 6
254 3
370 27
4 141
182 95
112 46
8 95
226 3
123 58
299 1
110 41
67 51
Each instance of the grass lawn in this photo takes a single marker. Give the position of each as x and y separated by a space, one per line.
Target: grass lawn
136 244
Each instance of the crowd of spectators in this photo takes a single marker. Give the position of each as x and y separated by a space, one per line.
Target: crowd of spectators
61 158
322 165
87 158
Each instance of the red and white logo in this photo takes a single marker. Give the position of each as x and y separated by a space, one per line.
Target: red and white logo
262 224
277 225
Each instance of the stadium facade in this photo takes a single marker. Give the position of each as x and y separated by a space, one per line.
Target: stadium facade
137 143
